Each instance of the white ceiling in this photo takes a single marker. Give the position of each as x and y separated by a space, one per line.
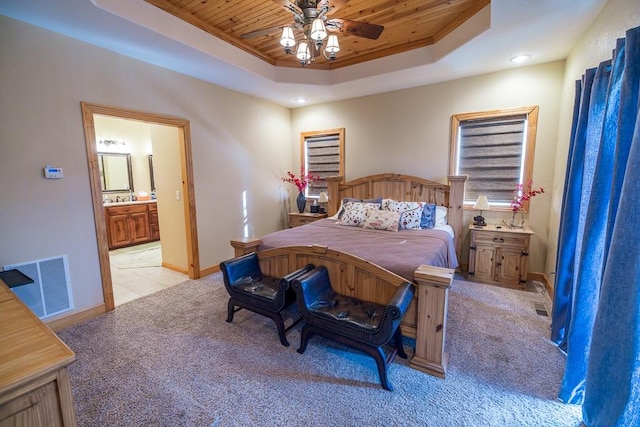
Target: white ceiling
546 29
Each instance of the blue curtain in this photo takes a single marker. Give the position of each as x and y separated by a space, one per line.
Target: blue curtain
596 310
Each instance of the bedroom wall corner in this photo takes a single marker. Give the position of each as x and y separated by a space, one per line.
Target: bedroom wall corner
594 46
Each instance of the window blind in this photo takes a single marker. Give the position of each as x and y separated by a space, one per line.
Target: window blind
323 160
491 155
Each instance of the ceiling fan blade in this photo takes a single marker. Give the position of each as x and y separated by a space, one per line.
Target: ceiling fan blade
334 5
260 33
288 5
355 28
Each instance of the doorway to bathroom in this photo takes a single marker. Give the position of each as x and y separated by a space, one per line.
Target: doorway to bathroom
168 140
143 260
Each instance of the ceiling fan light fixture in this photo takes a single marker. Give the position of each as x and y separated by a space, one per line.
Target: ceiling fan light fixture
287 40
333 46
303 53
312 23
318 30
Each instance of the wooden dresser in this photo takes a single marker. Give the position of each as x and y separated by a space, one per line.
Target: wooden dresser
499 256
297 219
34 383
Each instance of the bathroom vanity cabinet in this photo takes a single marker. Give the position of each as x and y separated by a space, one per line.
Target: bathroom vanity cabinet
131 223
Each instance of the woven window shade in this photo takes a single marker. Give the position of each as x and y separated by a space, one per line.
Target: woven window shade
323 159
491 156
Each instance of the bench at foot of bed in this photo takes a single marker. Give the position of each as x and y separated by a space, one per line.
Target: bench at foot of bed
425 320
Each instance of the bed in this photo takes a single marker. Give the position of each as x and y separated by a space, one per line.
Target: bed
407 188
370 264
400 252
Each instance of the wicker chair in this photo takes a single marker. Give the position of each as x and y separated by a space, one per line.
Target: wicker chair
362 325
248 288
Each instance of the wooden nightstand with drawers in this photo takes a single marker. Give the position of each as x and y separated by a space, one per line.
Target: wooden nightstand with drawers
499 256
296 219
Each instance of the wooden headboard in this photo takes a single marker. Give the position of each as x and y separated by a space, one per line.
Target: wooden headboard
404 188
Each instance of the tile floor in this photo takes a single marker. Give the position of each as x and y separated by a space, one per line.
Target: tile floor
136 271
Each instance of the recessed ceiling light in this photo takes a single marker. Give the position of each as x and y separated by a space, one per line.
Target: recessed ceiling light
519 59
301 100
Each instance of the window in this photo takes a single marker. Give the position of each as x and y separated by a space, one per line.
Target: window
322 154
495 150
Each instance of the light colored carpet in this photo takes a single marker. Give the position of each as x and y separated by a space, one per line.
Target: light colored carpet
170 359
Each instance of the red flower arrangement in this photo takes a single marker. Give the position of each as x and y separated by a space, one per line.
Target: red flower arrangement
524 194
302 182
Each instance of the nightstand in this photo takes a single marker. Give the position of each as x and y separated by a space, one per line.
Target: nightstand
499 256
296 219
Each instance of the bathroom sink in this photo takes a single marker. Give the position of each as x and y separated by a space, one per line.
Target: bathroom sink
127 202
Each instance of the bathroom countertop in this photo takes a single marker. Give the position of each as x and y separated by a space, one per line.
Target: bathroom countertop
136 202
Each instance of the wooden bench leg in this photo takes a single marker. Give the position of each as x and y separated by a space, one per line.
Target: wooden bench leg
381 358
433 288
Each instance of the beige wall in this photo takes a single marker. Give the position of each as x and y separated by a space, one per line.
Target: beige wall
595 46
170 191
241 146
408 131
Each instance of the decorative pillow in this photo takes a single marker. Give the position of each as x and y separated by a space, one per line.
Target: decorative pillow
428 219
441 215
382 220
338 215
410 213
355 213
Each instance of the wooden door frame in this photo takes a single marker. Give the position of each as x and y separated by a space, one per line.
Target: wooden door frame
193 257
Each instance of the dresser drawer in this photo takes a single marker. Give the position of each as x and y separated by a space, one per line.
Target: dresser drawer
298 219
503 239
301 221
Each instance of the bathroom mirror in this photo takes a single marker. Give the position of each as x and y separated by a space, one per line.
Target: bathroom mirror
153 181
115 172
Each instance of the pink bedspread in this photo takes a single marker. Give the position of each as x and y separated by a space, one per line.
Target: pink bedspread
400 252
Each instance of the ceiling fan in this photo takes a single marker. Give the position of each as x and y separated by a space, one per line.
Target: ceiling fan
312 18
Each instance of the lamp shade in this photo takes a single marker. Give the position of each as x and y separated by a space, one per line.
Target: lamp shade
287 39
322 198
332 44
303 53
482 204
318 31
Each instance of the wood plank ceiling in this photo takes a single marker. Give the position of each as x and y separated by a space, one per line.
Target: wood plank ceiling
408 24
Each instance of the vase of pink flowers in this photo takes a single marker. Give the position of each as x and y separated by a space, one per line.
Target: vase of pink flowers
524 193
301 183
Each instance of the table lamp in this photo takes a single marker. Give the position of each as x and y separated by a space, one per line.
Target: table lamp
323 199
482 204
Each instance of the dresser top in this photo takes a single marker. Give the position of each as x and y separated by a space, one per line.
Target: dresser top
502 229
28 348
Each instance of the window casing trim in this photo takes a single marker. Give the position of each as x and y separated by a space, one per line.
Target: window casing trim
339 133
530 132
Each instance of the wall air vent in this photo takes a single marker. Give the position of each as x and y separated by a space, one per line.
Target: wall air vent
50 292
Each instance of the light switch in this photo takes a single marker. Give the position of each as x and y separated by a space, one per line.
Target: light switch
178 195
